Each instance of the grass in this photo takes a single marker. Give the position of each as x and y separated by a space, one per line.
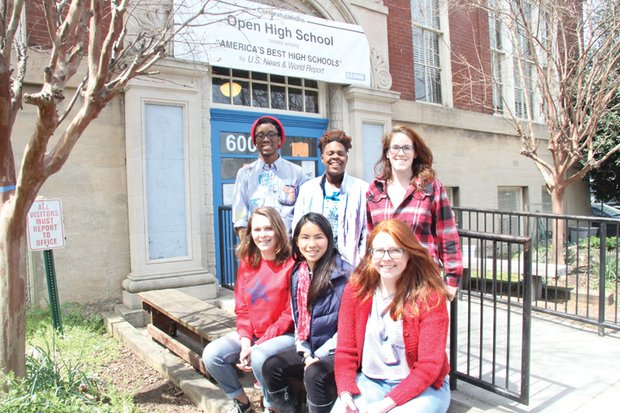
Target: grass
583 259
500 276
63 373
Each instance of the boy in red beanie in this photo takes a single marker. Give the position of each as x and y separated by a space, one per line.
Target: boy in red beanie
268 181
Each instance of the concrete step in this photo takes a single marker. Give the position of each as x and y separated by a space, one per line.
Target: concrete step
203 393
225 300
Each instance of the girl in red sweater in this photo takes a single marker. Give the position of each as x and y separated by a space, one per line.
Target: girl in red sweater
393 329
262 306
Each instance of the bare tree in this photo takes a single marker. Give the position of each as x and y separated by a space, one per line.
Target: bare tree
564 58
89 37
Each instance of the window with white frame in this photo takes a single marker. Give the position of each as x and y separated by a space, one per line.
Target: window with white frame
523 66
524 87
498 57
509 199
427 43
453 195
547 206
512 26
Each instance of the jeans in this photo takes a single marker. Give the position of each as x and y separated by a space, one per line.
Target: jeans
430 400
281 369
221 355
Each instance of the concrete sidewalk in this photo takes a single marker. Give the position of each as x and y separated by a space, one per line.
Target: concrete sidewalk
572 370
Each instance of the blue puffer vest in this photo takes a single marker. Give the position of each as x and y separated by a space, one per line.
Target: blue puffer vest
324 317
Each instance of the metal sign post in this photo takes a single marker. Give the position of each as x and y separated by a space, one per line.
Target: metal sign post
46 232
52 289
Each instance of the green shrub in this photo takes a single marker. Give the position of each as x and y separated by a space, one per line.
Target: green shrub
62 371
595 243
611 257
611 269
543 253
50 379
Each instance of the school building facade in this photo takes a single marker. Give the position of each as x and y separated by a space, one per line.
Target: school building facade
144 189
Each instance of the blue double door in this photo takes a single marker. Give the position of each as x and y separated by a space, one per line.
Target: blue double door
232 147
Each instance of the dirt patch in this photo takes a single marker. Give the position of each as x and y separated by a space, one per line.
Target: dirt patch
151 392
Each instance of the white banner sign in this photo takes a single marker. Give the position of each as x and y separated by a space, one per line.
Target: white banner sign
256 37
45 228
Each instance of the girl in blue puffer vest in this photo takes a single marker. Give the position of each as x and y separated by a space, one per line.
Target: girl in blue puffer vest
318 279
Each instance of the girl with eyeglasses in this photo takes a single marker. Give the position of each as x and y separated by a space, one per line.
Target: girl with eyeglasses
319 276
262 306
406 188
393 329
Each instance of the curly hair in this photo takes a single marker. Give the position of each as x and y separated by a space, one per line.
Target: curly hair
335 135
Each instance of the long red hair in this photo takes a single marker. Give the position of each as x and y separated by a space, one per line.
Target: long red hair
420 278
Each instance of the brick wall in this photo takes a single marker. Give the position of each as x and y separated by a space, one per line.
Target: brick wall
471 60
469 38
36 28
400 44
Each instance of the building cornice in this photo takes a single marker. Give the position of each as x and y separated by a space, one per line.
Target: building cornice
441 116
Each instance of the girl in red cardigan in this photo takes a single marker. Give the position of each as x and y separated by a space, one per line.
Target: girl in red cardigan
393 329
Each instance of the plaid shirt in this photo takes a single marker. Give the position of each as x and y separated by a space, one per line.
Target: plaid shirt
429 214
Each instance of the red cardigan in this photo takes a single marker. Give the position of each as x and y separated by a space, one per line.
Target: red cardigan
425 339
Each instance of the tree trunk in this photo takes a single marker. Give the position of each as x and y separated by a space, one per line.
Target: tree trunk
12 292
559 227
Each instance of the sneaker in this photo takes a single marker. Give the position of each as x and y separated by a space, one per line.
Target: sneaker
238 407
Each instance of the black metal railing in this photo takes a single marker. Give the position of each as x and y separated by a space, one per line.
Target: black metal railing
490 322
513 263
489 330
575 260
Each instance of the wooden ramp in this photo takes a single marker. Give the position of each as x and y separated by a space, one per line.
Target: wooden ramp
185 324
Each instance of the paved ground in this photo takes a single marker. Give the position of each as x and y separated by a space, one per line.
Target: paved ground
573 369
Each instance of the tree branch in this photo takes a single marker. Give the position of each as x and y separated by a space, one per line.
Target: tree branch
18 82
11 28
74 98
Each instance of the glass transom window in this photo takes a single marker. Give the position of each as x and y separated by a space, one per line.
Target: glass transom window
262 90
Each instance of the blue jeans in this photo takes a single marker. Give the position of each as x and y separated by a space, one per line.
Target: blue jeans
221 355
372 390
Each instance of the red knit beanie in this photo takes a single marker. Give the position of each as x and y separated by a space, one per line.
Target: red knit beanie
257 121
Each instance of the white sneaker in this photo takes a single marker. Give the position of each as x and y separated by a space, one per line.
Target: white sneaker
238 407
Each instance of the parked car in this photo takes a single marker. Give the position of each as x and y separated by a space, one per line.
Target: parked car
605 211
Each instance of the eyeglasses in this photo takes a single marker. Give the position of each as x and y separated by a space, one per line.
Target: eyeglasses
393 253
270 135
394 149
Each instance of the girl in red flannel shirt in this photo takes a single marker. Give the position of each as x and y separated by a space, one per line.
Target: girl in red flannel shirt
406 189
